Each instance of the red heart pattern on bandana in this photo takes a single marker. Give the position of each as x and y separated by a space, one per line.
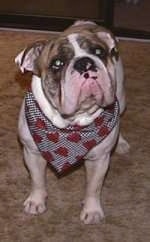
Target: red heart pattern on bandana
63 151
75 137
54 137
66 166
47 155
37 138
89 144
98 121
79 157
65 148
103 131
40 124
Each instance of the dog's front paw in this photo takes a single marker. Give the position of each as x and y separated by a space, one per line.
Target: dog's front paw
35 203
92 212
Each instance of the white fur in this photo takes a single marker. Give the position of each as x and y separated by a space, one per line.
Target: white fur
45 106
77 50
18 61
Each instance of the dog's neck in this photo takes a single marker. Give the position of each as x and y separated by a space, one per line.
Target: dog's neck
52 114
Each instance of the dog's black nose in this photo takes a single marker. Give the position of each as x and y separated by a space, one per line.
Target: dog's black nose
84 64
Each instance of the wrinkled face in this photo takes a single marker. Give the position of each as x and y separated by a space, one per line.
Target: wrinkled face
78 73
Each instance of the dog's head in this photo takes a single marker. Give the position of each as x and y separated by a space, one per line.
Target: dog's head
76 68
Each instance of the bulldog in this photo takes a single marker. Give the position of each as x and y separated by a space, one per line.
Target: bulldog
71 112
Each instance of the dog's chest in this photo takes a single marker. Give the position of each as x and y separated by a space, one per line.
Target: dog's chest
65 148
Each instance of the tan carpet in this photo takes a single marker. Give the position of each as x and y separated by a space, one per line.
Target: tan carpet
126 190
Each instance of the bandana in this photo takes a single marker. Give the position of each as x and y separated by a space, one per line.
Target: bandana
64 148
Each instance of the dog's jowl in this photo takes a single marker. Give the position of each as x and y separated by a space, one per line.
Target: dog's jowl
70 114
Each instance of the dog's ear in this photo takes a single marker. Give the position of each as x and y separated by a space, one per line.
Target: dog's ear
111 42
27 59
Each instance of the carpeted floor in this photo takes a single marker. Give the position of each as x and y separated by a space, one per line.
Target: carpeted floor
126 190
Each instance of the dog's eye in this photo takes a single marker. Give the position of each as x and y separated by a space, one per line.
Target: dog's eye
99 51
56 64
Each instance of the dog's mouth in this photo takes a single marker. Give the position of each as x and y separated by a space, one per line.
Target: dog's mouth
90 87
83 90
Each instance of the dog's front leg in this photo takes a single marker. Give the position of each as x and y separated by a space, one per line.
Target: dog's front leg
122 146
36 202
92 211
